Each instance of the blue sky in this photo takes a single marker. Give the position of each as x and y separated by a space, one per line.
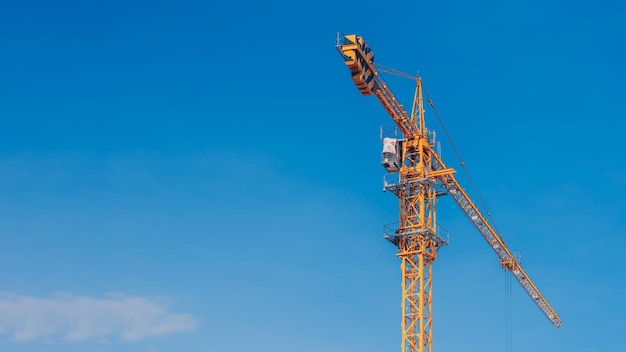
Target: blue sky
200 176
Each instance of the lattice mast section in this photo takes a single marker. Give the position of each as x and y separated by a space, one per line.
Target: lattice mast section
416 238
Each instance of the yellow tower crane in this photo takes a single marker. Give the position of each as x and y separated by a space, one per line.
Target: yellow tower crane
420 178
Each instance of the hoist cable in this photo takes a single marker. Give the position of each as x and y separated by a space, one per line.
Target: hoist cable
445 131
508 312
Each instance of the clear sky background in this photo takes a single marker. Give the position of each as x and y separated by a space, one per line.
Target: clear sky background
204 176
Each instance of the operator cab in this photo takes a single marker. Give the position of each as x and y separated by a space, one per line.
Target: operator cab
392 154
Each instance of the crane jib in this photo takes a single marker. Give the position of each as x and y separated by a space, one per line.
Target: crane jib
496 242
498 245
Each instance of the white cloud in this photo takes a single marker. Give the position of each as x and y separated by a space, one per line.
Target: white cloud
78 318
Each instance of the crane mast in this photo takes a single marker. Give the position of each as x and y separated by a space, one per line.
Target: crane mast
422 178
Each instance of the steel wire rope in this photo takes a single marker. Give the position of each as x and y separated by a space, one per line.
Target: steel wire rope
508 312
445 131
508 324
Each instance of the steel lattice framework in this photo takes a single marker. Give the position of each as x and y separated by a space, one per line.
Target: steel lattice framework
422 178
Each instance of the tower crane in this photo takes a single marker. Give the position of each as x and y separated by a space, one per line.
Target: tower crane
420 178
